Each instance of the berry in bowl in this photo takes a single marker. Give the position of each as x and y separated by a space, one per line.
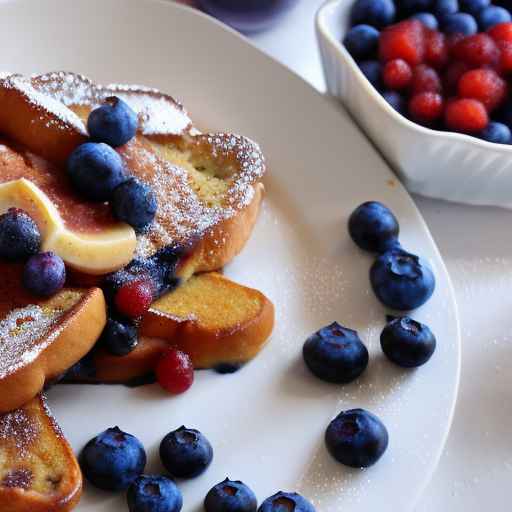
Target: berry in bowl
429 82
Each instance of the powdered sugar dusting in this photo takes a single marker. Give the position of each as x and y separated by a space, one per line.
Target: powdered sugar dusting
20 428
57 114
24 334
159 114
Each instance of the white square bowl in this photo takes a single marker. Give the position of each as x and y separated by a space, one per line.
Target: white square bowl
432 163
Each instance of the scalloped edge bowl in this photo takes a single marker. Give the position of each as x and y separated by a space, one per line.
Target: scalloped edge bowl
443 165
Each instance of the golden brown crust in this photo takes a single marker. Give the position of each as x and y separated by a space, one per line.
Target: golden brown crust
43 338
231 340
38 470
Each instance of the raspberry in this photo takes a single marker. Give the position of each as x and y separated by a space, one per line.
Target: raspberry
426 107
397 74
483 85
405 40
134 298
501 32
425 79
466 115
436 49
505 64
175 372
477 50
452 76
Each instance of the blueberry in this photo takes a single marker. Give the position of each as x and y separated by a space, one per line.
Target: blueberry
459 23
371 69
114 123
373 227
473 6
230 496
428 20
286 501
134 202
82 370
119 337
356 438
95 170
396 100
44 274
414 6
377 13
113 460
401 280
19 235
185 453
445 7
407 343
492 15
496 132
335 354
362 41
154 494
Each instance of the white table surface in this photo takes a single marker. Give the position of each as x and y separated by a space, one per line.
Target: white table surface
475 472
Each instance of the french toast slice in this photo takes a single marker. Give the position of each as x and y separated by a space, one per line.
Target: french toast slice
38 470
41 338
213 319
208 186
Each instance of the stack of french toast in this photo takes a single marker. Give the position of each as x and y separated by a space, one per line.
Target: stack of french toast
208 190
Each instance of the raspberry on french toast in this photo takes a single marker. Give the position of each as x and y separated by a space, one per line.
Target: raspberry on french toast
208 186
42 338
38 471
211 318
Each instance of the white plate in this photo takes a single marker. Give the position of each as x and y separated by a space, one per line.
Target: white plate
266 422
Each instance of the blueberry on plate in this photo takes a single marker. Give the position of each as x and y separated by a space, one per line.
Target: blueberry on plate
150 493
95 170
428 20
82 370
135 203
44 274
185 453
492 15
362 41
19 235
371 69
119 337
356 438
113 460
285 501
473 6
230 496
335 354
445 7
401 280
459 23
373 227
407 343
377 13
113 123
396 101
496 132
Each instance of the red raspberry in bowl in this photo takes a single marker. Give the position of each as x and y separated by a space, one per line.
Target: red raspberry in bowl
452 76
477 50
405 40
505 64
436 49
501 32
397 74
426 107
425 79
466 115
484 85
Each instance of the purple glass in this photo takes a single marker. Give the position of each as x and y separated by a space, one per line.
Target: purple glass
247 15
